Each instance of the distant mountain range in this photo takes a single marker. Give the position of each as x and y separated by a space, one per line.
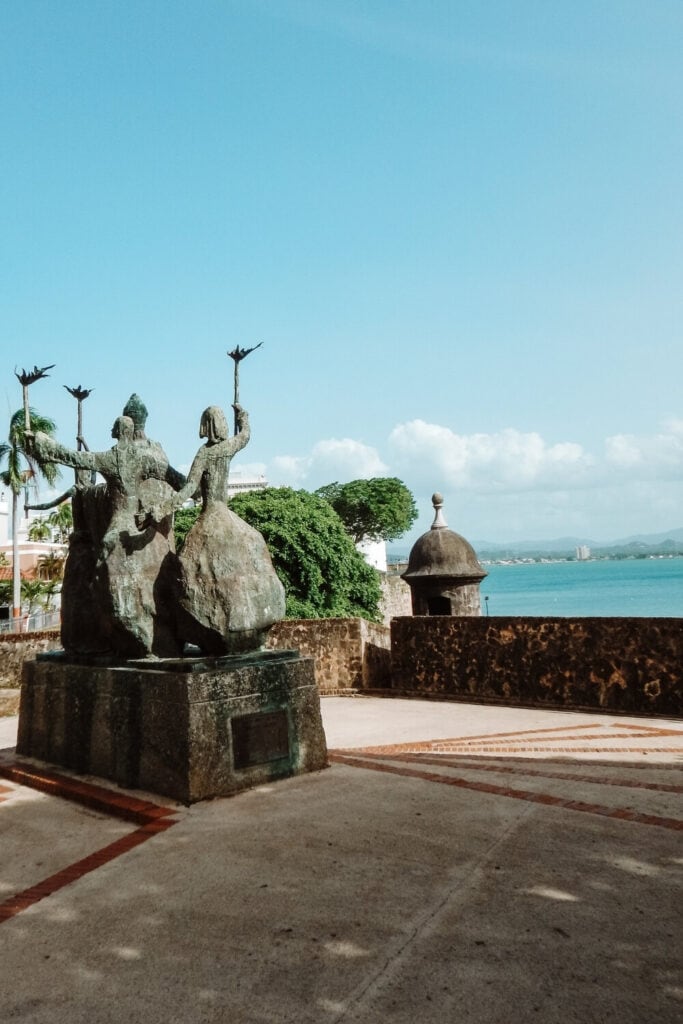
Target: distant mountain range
669 542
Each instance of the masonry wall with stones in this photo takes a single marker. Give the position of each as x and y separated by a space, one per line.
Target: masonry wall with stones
396 598
350 654
629 665
626 665
15 649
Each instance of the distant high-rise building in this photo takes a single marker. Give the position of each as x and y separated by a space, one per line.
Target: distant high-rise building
583 553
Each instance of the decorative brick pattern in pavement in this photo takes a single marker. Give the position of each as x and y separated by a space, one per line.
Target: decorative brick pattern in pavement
152 819
485 753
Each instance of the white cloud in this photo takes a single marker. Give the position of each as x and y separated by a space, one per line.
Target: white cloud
328 460
247 469
658 456
622 450
511 484
288 470
508 460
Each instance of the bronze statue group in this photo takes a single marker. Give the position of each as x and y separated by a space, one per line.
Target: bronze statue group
126 592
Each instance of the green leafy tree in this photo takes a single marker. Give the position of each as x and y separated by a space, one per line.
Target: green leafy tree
62 521
381 508
22 466
33 594
183 521
50 589
323 574
39 530
51 566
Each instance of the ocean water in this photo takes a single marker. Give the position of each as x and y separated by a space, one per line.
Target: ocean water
640 587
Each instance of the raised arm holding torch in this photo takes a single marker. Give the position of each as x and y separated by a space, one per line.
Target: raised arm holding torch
26 378
80 394
237 355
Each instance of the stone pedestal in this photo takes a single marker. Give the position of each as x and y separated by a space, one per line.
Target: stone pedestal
189 729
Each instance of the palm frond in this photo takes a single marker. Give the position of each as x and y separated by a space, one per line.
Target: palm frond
17 425
16 455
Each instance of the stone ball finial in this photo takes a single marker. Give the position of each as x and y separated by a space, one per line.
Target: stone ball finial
443 571
439 521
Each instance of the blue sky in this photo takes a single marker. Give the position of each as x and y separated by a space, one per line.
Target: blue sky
456 228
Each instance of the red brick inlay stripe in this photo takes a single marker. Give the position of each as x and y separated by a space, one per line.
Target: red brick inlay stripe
659 730
516 794
97 798
506 769
567 738
25 899
546 735
152 818
455 748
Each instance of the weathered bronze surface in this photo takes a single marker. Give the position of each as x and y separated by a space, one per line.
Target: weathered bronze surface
117 588
226 591
125 591
129 699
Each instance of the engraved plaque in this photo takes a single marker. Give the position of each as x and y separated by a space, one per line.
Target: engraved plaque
259 738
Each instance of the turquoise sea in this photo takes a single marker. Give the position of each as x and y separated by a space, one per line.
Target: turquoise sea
641 587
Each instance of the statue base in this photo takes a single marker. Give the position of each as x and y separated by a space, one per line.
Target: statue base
189 729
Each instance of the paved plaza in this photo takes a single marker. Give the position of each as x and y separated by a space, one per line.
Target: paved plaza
455 863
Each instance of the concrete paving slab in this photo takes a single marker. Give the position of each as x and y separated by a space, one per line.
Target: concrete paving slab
489 729
383 892
41 835
621 787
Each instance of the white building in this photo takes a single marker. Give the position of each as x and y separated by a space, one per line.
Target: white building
30 551
583 553
4 519
374 552
238 484
6 524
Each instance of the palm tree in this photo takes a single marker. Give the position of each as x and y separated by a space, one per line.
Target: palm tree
62 521
51 566
39 530
22 466
33 593
50 590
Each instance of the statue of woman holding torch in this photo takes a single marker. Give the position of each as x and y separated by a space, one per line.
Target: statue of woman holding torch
227 594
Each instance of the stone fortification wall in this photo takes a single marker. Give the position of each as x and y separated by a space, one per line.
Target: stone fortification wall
627 665
396 599
350 654
15 649
633 666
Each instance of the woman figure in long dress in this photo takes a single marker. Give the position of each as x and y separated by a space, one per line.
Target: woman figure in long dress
228 594
123 584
